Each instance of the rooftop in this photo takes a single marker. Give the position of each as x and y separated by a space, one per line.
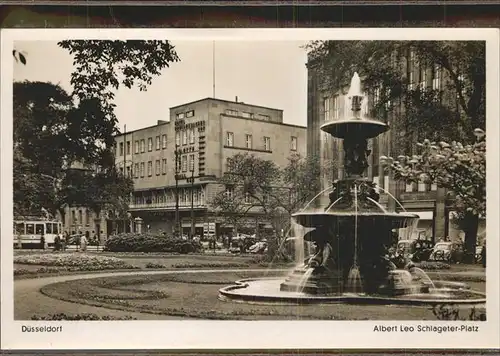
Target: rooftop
163 122
225 101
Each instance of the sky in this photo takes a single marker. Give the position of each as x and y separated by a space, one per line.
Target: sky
265 73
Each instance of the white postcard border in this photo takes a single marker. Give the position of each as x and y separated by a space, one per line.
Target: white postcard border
189 334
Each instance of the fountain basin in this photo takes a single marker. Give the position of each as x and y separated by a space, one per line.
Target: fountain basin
365 128
391 220
267 291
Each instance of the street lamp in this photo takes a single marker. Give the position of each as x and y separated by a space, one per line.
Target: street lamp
176 229
192 202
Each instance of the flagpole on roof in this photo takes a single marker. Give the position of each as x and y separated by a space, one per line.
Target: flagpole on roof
213 69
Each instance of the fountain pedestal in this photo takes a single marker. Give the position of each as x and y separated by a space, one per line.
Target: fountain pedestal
354 227
317 283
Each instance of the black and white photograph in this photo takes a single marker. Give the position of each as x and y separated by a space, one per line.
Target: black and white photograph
290 181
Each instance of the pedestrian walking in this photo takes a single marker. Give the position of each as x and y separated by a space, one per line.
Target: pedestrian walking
63 242
83 243
42 241
57 243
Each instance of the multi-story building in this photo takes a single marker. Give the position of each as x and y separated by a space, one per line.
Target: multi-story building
80 219
203 135
428 201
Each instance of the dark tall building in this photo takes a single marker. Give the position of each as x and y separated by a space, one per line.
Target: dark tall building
428 201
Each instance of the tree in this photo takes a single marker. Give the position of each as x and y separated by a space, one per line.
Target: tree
102 66
254 184
40 125
300 176
98 190
461 169
50 133
53 129
251 178
454 109
234 205
33 192
40 112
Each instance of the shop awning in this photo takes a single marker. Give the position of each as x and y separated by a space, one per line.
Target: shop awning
184 224
424 215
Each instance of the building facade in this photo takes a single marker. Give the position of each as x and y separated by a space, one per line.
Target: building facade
83 220
201 136
428 201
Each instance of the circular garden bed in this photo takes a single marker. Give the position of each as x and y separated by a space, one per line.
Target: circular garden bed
195 295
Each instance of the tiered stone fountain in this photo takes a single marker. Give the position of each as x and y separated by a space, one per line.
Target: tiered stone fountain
352 235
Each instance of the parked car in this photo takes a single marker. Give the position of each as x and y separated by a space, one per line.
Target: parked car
243 242
259 247
415 250
451 252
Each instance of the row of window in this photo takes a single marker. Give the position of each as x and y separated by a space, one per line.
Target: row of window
423 68
167 196
229 192
183 115
142 169
266 141
187 137
140 145
79 220
248 141
184 138
248 199
247 115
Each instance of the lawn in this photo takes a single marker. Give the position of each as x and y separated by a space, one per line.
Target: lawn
196 295
39 263
28 264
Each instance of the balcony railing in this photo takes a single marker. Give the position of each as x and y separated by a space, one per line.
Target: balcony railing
168 206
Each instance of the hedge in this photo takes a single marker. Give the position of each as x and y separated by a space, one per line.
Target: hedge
147 242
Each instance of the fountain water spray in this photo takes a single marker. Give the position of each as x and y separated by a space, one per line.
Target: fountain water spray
352 236
392 196
354 279
316 197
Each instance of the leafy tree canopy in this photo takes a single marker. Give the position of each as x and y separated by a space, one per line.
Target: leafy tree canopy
53 129
50 133
459 168
261 185
381 64
97 190
101 66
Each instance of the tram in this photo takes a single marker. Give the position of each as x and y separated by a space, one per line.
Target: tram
28 233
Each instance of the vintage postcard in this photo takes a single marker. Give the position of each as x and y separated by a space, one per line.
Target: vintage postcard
250 188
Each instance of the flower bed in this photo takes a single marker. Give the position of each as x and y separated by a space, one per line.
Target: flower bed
41 270
85 316
210 265
147 242
432 266
73 261
154 265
